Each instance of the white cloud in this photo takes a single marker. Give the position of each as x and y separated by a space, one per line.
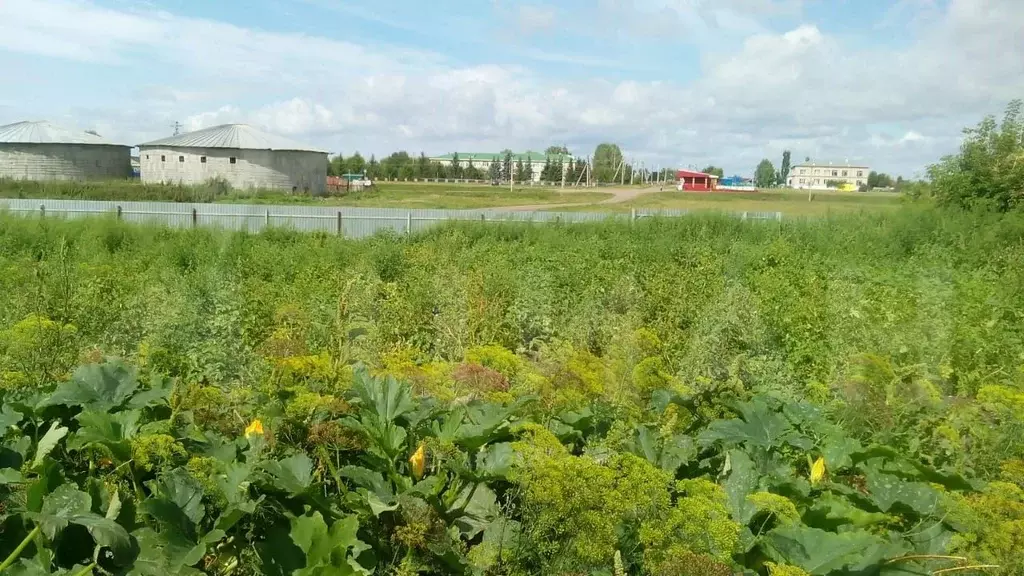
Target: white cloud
803 89
534 18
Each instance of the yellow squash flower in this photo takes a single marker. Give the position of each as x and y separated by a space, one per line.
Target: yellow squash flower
254 429
418 461
817 471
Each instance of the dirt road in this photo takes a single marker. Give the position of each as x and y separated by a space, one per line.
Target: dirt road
619 195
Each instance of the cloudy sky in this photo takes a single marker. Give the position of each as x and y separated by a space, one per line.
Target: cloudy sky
674 82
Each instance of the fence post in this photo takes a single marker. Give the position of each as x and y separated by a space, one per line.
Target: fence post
632 214
778 216
266 219
42 210
744 217
195 218
408 222
339 228
119 212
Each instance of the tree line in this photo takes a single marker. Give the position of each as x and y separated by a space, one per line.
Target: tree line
608 166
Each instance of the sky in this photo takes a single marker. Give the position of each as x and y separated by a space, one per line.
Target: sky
679 83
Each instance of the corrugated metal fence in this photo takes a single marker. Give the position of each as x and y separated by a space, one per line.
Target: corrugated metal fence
351 222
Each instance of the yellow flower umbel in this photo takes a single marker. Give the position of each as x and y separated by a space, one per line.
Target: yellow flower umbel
817 471
418 461
254 429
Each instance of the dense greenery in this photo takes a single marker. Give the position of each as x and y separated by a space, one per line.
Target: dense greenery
989 169
699 396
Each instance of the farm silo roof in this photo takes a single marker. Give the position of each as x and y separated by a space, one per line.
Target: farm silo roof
42 132
237 136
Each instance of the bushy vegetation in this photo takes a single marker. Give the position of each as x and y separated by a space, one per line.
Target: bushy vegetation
677 397
988 171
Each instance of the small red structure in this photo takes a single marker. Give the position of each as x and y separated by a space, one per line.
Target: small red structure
696 181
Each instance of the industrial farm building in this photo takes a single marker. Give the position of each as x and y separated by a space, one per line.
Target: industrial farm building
45 151
242 155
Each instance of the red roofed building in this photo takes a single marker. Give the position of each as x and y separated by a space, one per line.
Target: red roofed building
696 181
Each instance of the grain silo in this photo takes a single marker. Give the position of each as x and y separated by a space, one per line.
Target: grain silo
45 151
244 156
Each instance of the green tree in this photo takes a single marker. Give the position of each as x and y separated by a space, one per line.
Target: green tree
879 180
547 172
557 150
372 167
397 165
337 165
607 159
422 169
714 170
472 172
527 170
989 169
494 171
784 170
355 165
456 169
764 175
506 165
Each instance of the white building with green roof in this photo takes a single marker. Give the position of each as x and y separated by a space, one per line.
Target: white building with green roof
483 160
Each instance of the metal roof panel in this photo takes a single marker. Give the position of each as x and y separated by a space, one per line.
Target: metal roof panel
42 132
238 136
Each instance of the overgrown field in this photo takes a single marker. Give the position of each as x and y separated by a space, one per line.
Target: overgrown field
698 396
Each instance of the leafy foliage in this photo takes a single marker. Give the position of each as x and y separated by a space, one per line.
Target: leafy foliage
703 397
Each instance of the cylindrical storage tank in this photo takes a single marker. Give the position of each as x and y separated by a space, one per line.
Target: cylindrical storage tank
243 156
44 151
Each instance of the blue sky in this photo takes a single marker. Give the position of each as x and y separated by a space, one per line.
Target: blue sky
674 82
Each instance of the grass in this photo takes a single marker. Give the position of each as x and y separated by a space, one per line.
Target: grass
459 196
384 195
789 202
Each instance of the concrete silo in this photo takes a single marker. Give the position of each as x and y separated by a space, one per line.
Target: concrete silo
45 151
244 156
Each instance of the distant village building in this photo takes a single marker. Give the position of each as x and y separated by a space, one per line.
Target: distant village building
244 156
695 181
483 161
45 151
816 176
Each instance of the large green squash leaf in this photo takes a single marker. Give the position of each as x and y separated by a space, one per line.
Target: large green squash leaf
758 427
386 398
159 556
109 534
742 481
100 387
8 417
328 551
819 552
60 506
112 431
48 442
293 474
495 461
887 491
